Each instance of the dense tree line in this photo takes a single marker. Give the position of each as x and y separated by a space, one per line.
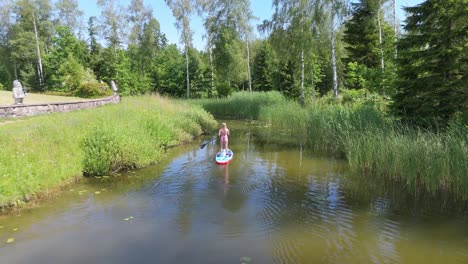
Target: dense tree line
309 48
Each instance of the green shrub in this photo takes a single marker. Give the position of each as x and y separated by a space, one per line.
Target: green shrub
223 89
93 90
100 152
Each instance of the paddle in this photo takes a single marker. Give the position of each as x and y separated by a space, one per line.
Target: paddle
211 140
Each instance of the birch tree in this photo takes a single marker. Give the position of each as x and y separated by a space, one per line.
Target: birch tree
382 59
337 11
68 14
229 24
140 17
206 9
112 24
291 30
182 9
28 35
243 16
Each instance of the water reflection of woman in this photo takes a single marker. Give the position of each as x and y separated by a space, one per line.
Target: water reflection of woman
225 170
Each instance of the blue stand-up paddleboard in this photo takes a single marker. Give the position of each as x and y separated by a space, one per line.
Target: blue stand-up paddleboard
224 158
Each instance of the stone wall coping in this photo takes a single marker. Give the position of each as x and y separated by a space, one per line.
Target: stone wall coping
108 98
18 110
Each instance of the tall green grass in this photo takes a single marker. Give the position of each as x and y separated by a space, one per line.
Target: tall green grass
370 140
41 153
241 105
434 160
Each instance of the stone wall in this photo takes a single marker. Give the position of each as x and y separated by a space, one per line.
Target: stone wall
38 109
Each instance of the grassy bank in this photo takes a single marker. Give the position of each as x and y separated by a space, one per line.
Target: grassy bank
41 153
369 139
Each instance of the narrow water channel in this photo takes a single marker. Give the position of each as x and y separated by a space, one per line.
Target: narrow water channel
275 203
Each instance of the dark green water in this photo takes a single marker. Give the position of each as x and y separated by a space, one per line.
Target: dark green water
273 204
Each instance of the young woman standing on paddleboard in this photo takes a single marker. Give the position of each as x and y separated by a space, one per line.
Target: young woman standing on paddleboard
224 134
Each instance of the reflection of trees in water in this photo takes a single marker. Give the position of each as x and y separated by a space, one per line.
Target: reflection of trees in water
304 209
343 218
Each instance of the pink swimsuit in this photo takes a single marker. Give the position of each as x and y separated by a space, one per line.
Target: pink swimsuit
224 136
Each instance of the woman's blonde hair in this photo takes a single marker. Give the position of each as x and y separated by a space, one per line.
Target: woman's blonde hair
223 125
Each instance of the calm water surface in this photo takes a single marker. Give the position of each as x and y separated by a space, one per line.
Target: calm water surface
273 204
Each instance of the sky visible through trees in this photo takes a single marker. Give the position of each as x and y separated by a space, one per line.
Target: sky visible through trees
261 9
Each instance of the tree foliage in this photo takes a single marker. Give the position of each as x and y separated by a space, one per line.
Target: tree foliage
432 60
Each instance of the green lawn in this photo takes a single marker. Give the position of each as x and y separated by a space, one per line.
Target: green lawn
6 98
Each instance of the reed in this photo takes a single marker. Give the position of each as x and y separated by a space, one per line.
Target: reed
40 153
422 158
241 105
370 140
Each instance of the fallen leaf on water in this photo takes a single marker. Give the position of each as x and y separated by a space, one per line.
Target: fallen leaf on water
1 227
10 240
104 189
15 229
97 192
128 218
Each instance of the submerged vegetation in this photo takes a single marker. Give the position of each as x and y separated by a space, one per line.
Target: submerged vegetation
366 136
41 153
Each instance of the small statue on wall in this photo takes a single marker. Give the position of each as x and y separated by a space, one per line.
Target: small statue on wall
113 87
18 92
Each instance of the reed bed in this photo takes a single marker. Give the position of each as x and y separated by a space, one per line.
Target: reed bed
369 139
38 154
241 105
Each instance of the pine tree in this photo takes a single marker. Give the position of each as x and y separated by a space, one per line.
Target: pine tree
433 59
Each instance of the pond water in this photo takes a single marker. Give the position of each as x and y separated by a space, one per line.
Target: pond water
275 203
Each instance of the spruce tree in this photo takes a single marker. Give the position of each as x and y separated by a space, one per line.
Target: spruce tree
361 34
263 69
433 59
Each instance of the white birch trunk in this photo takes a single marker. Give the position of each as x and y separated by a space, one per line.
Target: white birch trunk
211 65
39 59
302 62
302 78
313 84
333 57
248 64
188 74
382 60
395 29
